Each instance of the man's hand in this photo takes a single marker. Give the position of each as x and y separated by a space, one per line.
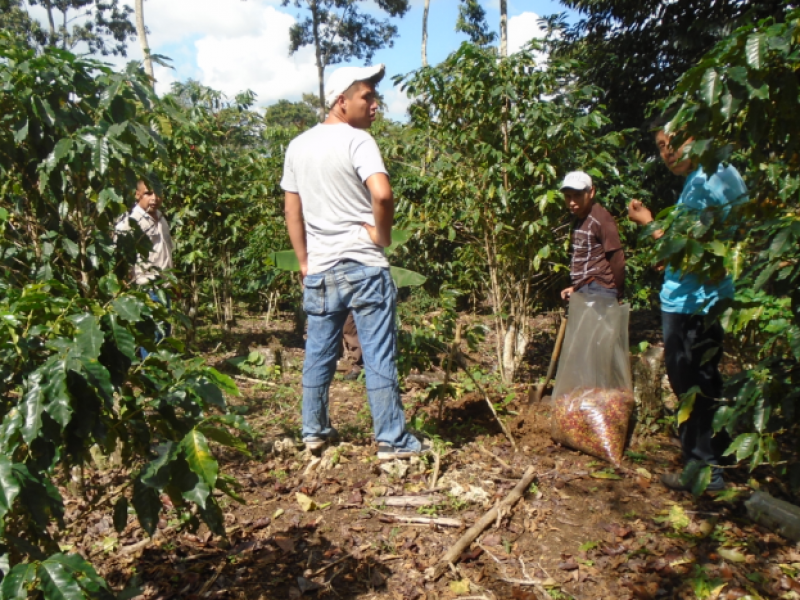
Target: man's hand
303 270
639 213
375 236
567 292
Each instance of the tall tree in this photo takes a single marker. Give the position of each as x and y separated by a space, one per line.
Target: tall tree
103 25
635 50
472 21
503 27
16 20
141 33
425 33
339 31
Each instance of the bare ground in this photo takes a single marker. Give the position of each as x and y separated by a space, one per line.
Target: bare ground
583 530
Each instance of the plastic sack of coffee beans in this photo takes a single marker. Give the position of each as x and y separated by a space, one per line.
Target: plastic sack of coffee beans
593 396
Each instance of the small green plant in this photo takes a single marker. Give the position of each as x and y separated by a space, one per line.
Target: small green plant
703 585
533 488
456 503
630 515
507 545
588 546
636 457
280 475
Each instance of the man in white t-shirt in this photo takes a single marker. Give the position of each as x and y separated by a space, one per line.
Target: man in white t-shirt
339 212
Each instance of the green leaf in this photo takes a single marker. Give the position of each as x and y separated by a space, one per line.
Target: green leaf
406 278
399 237
110 284
100 155
198 455
123 338
55 390
9 486
129 308
57 582
743 446
701 480
147 505
33 407
17 581
191 487
156 473
21 133
62 148
285 260
121 514
224 437
755 48
89 337
687 404
212 515
222 381
711 86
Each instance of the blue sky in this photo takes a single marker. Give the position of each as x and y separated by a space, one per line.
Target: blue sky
233 45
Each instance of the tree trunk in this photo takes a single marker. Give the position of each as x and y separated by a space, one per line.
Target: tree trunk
51 22
312 5
141 33
503 28
425 33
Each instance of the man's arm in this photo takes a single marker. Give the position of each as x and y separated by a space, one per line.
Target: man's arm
616 260
641 215
293 209
382 209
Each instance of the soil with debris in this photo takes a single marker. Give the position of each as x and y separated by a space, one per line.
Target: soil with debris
347 526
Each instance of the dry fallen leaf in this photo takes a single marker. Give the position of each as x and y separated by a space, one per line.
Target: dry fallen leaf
306 503
460 588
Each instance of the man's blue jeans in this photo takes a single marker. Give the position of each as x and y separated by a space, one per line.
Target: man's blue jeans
370 294
162 329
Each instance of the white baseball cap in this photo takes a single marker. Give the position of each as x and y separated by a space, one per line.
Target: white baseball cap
577 180
343 77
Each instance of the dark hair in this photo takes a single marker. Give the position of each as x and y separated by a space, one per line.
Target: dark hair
660 122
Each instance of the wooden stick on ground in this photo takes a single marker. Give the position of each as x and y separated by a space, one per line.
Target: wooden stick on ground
452 555
442 521
488 452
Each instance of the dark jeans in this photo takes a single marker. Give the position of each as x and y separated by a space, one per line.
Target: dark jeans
162 329
595 288
686 342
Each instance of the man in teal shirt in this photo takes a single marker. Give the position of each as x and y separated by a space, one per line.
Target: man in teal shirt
685 302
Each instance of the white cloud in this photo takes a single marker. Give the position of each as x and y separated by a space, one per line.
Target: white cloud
397 103
173 21
521 29
258 60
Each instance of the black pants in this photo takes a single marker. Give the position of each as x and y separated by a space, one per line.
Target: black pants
687 342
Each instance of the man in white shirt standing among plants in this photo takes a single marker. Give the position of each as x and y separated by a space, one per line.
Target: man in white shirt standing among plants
339 211
152 223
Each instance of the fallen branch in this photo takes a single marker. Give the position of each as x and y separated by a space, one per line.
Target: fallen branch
251 380
443 521
488 452
473 532
321 570
413 501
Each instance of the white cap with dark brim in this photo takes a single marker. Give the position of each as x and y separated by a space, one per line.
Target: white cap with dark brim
576 180
342 78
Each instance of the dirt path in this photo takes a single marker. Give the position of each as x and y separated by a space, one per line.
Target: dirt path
583 530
